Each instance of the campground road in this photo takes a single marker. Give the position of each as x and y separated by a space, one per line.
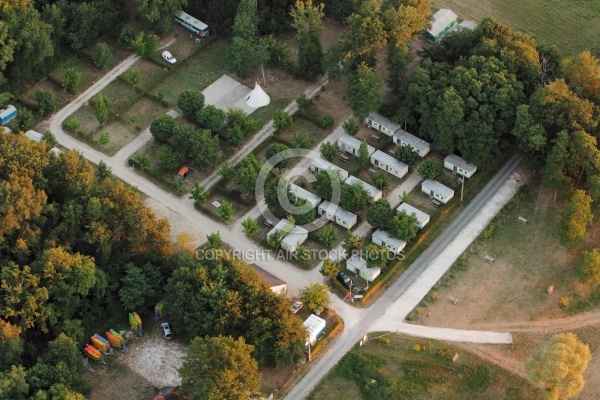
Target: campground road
393 295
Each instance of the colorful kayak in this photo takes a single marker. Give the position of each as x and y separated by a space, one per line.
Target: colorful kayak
114 341
137 318
133 321
100 344
118 335
92 352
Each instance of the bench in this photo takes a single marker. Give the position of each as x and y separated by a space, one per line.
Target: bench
488 259
372 171
550 289
522 220
435 203
343 157
268 223
452 300
391 153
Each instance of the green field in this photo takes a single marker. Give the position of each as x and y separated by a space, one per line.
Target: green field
572 25
391 369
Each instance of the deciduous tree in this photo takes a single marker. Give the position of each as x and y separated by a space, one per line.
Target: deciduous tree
250 226
283 151
199 193
430 169
330 268
379 214
135 288
226 210
315 296
559 365
211 118
590 265
101 108
328 151
219 368
575 218
406 154
71 79
403 226
159 14
307 17
190 101
363 155
327 235
354 197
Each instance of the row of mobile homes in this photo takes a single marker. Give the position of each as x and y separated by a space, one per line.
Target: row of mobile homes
294 239
351 145
381 124
299 193
419 146
277 285
359 265
315 328
422 218
335 213
437 191
374 193
389 164
321 164
34 135
459 166
382 238
7 114
442 22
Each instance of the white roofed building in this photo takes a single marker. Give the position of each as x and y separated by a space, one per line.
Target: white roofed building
419 146
457 165
351 145
442 22
437 190
422 218
382 124
374 193
335 213
299 193
389 164
321 164
382 238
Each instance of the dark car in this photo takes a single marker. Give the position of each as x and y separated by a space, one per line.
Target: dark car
344 279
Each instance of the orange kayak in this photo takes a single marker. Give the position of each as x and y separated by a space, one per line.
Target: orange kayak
92 352
137 318
99 344
115 341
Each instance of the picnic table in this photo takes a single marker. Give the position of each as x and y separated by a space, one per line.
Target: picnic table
434 202
522 220
452 300
343 157
268 223
372 171
488 259
375 138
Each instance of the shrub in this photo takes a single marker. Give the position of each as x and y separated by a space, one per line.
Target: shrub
73 124
417 347
384 340
351 127
419 311
46 101
302 101
104 138
281 120
71 79
126 36
433 297
134 76
103 56
564 302
327 121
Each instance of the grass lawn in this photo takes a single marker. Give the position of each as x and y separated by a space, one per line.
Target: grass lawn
118 94
119 134
316 134
89 73
145 110
87 116
62 97
388 368
148 70
199 72
571 25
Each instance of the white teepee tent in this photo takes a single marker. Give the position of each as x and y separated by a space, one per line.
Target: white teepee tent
257 97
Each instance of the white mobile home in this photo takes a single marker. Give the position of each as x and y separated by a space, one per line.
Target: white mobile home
294 239
335 213
315 328
7 114
299 193
277 285
374 193
283 227
382 238
381 124
359 266
419 146
321 164
422 218
351 145
437 190
35 136
456 164
389 164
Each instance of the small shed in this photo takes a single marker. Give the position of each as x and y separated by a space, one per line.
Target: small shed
389 164
351 145
7 114
442 21
382 238
422 218
374 193
382 124
335 213
437 190
321 164
299 193
359 266
467 25
277 285
457 165
315 328
403 138
294 239
34 135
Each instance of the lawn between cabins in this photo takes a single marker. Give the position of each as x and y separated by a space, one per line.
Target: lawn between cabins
391 367
571 25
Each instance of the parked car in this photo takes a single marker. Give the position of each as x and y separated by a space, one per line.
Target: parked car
344 279
297 306
166 329
168 57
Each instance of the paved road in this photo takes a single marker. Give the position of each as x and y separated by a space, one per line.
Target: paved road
350 337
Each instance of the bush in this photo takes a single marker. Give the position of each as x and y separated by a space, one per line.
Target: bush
104 138
103 56
73 124
71 79
384 340
24 119
46 102
302 101
327 121
126 37
417 347
281 120
564 302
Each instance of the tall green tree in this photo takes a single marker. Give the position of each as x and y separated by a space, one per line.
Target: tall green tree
281 149
247 173
430 169
250 226
363 155
403 226
380 214
190 101
559 365
354 197
135 288
242 51
590 265
101 108
159 14
71 79
362 91
307 21
211 118
219 368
